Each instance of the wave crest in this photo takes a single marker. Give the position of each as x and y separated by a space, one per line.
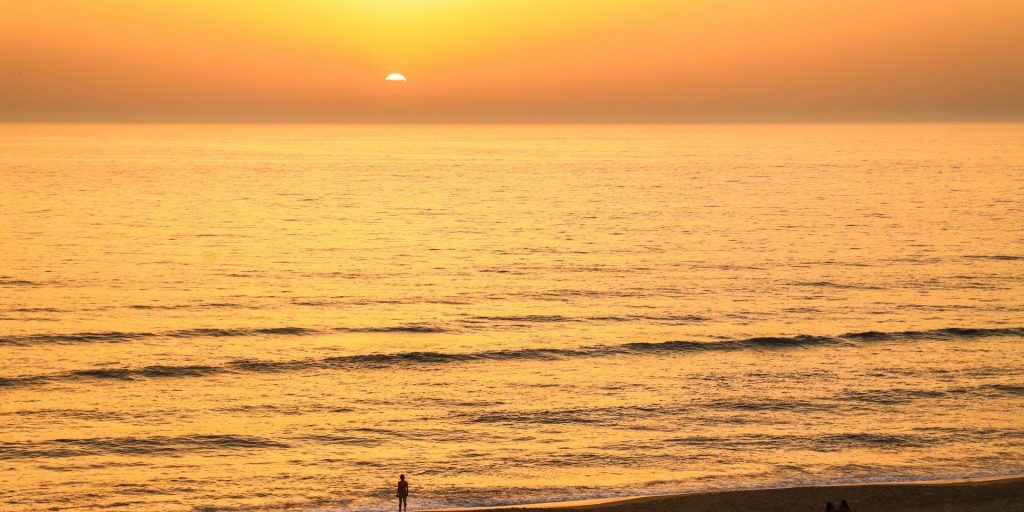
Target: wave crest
426 358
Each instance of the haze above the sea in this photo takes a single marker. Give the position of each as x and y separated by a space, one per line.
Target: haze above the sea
526 61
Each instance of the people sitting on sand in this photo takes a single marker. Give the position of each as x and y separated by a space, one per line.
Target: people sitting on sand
829 507
844 506
403 493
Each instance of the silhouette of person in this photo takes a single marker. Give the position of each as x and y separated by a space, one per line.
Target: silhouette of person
844 506
829 507
403 493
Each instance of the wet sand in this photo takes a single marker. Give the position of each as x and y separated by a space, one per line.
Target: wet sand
981 495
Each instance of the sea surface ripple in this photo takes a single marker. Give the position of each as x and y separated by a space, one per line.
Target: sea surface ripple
247 317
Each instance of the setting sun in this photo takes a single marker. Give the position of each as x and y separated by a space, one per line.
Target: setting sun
642 60
697 255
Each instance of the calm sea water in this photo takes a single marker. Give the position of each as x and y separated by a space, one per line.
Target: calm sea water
287 317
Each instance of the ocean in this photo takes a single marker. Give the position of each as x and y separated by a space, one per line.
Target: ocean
278 317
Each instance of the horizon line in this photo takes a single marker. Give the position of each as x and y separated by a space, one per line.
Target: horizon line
515 122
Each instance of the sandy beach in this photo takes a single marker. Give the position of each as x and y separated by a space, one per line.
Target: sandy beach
988 495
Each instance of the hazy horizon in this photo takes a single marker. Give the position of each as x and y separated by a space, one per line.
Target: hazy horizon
399 124
611 61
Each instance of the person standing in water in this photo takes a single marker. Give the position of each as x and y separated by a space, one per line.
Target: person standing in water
403 493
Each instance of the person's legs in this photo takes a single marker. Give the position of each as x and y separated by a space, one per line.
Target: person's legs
402 503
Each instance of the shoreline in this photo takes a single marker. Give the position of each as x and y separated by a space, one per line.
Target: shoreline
989 494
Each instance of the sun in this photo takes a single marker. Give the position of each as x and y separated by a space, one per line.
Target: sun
395 77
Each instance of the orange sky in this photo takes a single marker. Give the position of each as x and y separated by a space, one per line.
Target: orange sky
511 60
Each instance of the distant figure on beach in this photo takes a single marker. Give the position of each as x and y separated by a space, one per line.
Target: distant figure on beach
844 506
403 493
829 507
